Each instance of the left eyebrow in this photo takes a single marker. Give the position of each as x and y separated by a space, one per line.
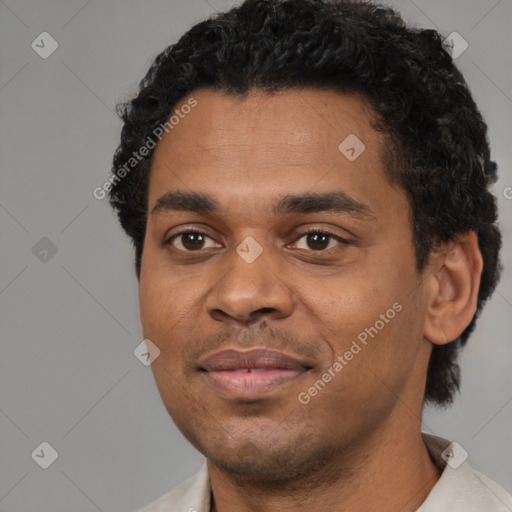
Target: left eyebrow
333 202
330 202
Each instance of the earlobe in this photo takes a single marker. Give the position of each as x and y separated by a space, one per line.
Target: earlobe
453 284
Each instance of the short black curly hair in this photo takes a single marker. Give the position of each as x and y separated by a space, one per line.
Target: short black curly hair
438 150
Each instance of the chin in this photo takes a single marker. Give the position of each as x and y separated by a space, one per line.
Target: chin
270 462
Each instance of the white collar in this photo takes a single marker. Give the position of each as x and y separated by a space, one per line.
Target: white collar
459 489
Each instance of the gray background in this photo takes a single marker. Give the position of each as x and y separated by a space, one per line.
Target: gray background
69 325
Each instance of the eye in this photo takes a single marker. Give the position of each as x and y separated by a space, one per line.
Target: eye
190 240
317 240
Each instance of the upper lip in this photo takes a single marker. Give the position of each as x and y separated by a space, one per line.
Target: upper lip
232 359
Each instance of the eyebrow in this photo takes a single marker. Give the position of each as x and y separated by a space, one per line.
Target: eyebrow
331 202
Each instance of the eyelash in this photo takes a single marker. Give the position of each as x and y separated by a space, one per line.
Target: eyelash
310 232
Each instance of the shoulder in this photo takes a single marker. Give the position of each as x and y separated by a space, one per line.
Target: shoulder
461 488
501 499
191 495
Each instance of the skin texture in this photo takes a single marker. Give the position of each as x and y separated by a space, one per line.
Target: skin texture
356 445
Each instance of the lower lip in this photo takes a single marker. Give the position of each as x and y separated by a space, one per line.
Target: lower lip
253 384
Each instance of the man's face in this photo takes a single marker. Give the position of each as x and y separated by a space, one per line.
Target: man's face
255 279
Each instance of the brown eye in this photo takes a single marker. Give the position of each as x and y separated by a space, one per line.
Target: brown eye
320 240
188 241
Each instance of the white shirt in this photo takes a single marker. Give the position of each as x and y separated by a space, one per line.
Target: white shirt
459 489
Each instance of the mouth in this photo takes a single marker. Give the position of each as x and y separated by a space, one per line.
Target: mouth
252 374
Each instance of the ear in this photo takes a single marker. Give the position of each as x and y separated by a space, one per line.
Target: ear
454 273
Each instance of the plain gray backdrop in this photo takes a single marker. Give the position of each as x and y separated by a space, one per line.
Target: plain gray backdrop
68 292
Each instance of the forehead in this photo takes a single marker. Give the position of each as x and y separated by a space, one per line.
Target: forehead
302 119
249 147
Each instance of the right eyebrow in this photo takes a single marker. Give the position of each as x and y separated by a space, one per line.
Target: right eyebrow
185 202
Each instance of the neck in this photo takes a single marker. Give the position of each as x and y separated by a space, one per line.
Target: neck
391 471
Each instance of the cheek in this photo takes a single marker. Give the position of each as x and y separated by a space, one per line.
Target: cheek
155 306
165 297
353 300
369 314
166 316
171 310
167 311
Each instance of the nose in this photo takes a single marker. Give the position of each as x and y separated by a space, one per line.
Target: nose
246 292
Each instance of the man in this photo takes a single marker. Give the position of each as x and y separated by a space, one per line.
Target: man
306 187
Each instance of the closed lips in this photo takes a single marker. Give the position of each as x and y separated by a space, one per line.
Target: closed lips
250 361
